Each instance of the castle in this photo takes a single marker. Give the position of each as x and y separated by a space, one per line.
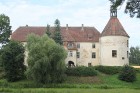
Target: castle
86 46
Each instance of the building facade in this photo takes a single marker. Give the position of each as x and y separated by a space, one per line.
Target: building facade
86 46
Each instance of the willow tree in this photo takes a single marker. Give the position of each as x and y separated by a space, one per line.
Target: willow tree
45 60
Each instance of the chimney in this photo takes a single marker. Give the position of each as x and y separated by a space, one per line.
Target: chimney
82 27
66 26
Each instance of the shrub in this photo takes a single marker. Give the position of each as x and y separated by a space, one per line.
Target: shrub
81 71
109 69
13 61
127 74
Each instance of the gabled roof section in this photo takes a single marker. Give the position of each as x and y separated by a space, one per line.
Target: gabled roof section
72 34
114 28
21 33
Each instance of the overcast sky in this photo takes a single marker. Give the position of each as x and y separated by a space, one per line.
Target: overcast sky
72 12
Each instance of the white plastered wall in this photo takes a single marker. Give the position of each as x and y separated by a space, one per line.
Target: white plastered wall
109 43
86 54
25 53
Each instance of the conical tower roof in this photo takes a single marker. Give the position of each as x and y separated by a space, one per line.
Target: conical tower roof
114 28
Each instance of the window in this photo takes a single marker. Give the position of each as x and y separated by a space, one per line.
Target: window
89 64
70 54
127 54
70 45
114 53
78 45
93 55
127 43
78 54
93 45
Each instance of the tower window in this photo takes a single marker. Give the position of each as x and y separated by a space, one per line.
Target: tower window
93 55
78 54
127 43
78 45
93 45
127 54
114 53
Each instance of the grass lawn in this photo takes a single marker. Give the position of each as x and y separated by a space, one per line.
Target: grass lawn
97 84
72 90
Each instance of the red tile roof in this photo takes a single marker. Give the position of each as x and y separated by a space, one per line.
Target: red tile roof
89 34
114 28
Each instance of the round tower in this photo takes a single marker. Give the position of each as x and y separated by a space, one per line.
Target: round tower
114 43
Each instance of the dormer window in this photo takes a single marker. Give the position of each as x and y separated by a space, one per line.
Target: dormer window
78 45
89 36
70 45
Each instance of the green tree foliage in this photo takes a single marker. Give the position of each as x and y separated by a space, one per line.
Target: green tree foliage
45 60
48 30
57 34
13 61
5 29
127 74
134 56
132 6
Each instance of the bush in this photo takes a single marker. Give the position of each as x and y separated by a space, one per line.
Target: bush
12 57
81 71
109 69
127 74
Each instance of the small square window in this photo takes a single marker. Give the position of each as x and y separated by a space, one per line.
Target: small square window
114 53
89 64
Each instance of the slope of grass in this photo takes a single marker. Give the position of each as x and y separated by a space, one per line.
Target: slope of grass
102 81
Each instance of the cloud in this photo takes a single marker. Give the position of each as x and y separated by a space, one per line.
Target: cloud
73 12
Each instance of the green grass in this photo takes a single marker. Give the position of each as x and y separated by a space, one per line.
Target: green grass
74 84
66 90
101 81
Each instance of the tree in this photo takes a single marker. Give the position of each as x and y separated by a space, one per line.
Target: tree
45 60
134 56
48 30
132 6
57 34
13 59
127 74
5 29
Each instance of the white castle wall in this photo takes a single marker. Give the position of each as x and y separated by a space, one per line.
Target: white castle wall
86 54
71 58
109 43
